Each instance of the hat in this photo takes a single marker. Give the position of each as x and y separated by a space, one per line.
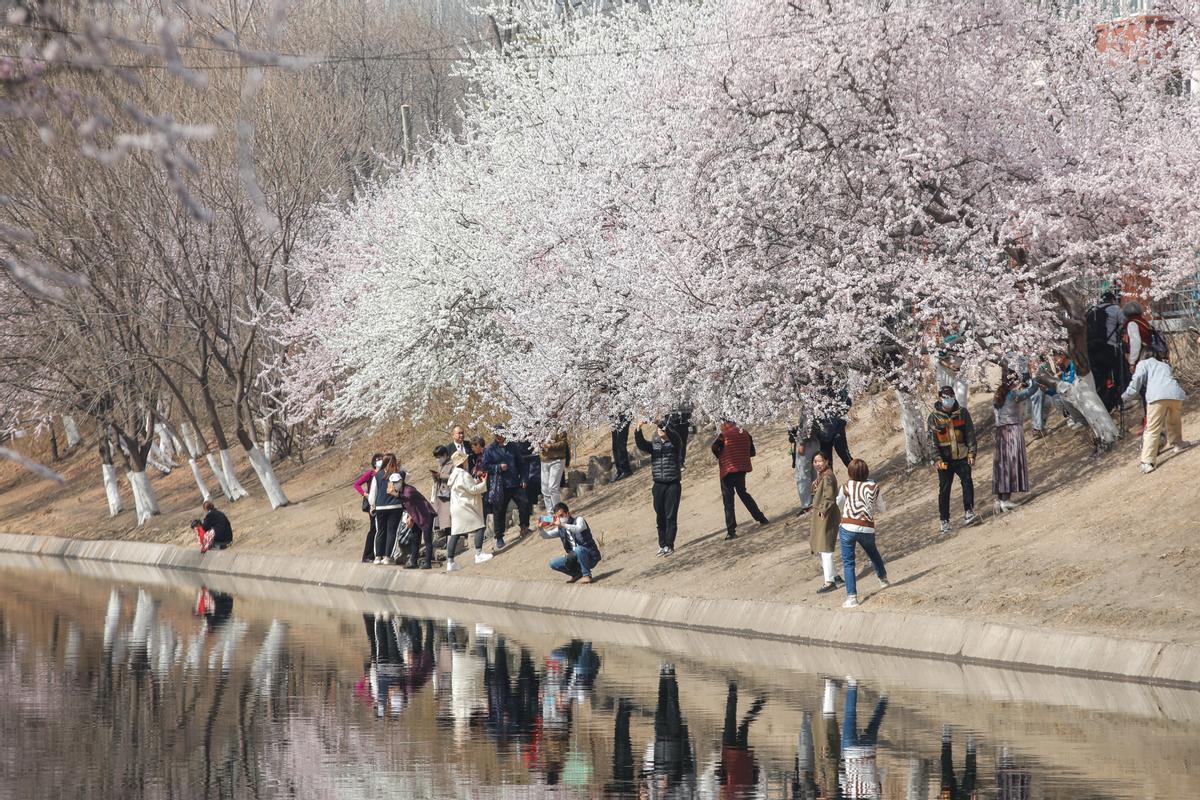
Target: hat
396 477
946 391
458 459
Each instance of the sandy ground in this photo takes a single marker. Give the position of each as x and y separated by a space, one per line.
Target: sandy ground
1096 547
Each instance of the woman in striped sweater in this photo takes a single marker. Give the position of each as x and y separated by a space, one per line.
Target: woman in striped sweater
860 500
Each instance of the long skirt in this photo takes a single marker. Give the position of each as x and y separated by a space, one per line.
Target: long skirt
1010 470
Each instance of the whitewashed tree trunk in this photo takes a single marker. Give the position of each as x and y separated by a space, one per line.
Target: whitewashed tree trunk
144 499
219 474
166 444
155 459
72 429
193 451
236 490
112 489
266 663
912 419
1082 395
200 484
266 476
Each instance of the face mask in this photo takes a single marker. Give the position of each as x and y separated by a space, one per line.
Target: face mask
378 464
947 405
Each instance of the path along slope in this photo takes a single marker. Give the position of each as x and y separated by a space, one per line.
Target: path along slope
1096 547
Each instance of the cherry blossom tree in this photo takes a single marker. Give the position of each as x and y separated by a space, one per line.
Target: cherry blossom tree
754 204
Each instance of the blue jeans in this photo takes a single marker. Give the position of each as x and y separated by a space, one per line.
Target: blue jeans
578 563
850 735
847 540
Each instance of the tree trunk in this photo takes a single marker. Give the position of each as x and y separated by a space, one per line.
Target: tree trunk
912 419
262 467
1082 394
219 473
144 499
72 429
236 490
166 444
193 451
112 489
1083 397
53 443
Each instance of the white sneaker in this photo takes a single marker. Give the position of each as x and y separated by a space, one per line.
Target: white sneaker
970 518
851 602
481 558
1008 505
1179 448
378 561
1146 468
944 528
387 560
998 508
453 566
884 583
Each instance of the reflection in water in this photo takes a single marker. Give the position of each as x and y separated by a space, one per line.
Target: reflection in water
951 789
153 695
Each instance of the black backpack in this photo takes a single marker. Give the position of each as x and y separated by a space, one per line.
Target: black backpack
1156 343
1097 325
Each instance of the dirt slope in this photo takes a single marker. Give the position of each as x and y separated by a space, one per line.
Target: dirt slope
1095 547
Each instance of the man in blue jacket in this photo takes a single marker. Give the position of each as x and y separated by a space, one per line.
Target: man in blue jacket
506 483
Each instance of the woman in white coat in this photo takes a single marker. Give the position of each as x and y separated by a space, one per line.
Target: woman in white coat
466 511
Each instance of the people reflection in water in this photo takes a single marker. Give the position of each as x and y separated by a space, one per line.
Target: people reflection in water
512 711
215 607
621 784
670 768
401 661
951 789
738 772
1012 781
568 680
860 771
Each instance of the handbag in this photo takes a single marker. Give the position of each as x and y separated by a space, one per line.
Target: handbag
404 539
366 505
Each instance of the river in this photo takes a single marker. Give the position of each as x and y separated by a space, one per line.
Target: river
128 682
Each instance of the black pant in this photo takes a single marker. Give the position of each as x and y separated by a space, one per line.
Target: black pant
512 494
962 469
387 522
736 482
369 544
620 450
414 547
838 442
1108 366
666 511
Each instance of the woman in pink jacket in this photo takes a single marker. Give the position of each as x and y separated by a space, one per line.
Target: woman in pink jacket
361 485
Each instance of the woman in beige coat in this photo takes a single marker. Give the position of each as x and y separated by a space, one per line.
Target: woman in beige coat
466 511
825 520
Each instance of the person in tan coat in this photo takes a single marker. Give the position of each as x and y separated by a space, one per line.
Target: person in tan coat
825 520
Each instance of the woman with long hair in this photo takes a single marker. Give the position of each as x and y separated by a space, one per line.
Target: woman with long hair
1010 468
860 501
361 486
386 508
826 518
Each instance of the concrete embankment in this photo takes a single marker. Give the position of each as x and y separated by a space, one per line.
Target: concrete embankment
960 640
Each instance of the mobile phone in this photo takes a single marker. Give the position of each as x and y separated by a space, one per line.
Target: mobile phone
546 518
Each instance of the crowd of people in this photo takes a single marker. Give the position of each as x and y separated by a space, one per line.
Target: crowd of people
475 483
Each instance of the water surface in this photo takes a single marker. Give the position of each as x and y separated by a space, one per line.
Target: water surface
139 683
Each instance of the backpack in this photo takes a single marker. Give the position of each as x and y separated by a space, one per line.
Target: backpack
1156 343
1097 325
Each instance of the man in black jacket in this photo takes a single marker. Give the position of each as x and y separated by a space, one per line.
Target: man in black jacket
665 457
